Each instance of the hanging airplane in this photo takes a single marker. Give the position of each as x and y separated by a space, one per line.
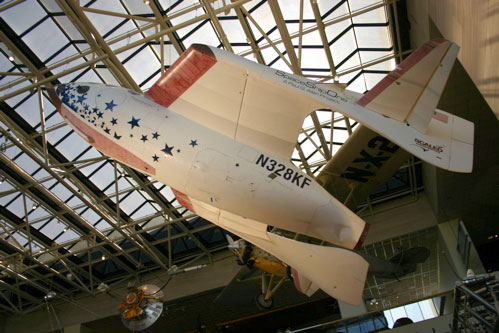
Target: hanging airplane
220 130
273 273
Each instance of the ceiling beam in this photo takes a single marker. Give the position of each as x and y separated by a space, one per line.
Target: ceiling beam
216 25
322 33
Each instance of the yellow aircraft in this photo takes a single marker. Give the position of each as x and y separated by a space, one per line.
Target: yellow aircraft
275 272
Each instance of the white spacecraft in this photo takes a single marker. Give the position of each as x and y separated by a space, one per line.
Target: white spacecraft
220 130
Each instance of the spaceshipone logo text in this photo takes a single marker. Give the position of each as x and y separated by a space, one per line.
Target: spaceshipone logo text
428 146
309 86
281 170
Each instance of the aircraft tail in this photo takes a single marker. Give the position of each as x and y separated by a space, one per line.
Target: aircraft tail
410 93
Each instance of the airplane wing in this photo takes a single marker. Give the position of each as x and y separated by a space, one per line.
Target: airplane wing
365 161
265 107
226 93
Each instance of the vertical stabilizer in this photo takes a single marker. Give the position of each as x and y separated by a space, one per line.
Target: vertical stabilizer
410 93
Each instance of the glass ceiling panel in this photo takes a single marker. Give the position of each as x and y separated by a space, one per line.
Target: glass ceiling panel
51 5
314 59
35 211
102 225
326 9
104 23
170 53
136 7
16 16
74 201
142 65
335 30
144 211
12 152
66 236
16 205
234 30
14 100
204 35
72 146
376 55
126 28
291 9
186 16
358 85
39 42
61 192
310 38
90 215
54 136
375 15
26 163
343 47
68 27
373 37
30 110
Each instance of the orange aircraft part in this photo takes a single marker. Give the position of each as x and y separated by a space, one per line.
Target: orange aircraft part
131 304
269 266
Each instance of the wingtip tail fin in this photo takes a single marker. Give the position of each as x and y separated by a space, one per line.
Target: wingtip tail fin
410 92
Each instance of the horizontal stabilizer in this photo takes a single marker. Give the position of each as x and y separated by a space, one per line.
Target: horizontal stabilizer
338 272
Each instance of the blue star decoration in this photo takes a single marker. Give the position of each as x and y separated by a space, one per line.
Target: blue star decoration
110 105
155 135
107 130
116 136
100 114
81 99
194 143
144 138
167 150
134 122
155 158
114 121
94 110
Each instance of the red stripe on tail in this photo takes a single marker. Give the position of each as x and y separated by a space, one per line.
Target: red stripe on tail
362 237
400 70
296 279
